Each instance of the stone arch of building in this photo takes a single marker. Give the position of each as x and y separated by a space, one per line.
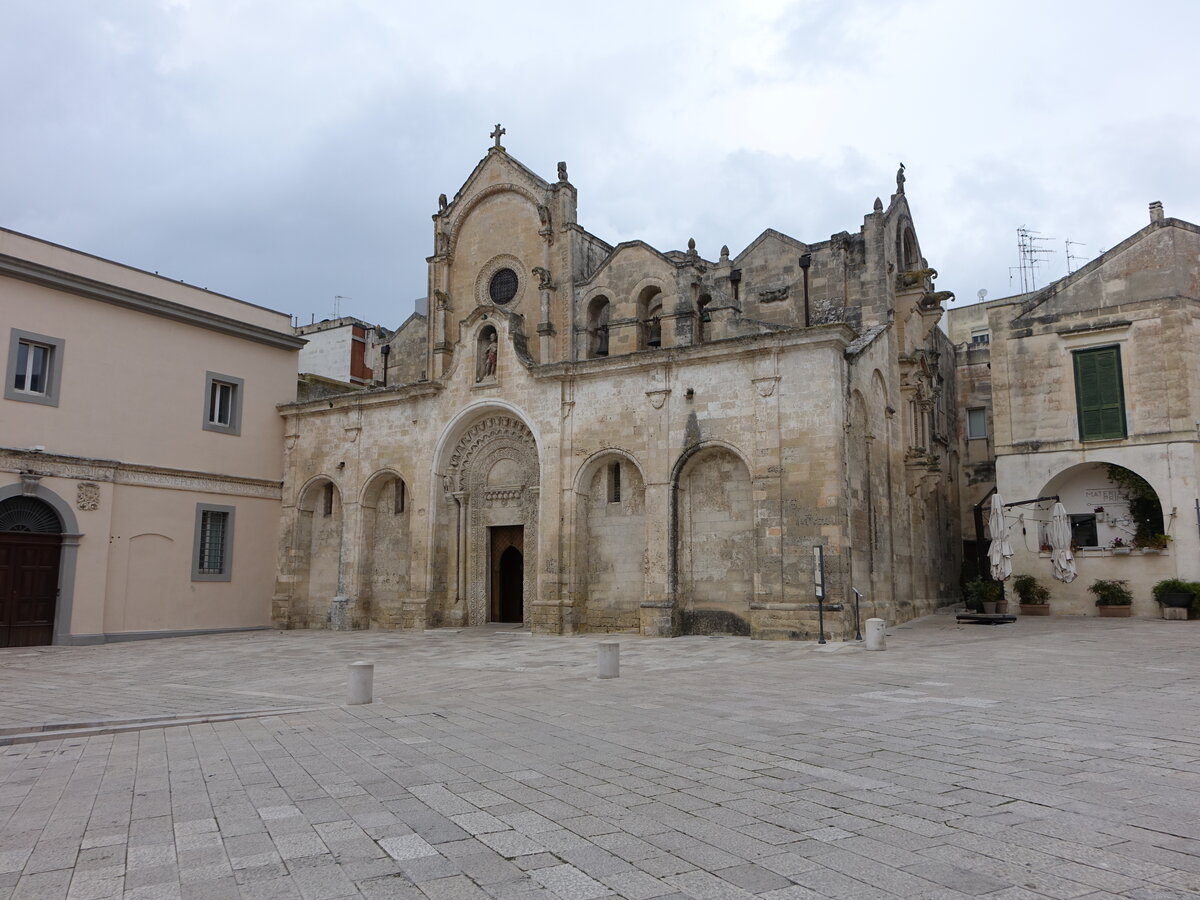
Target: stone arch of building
70 537
385 544
316 552
1084 488
609 571
883 536
713 539
488 465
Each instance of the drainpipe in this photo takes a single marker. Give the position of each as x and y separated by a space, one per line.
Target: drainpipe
805 262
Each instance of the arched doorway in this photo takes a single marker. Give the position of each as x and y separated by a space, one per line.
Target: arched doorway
508 575
490 480
30 555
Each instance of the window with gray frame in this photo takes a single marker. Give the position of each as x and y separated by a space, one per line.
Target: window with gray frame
212 554
223 403
976 423
34 367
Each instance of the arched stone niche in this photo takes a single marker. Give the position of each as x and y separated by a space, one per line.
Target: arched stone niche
491 481
318 548
716 552
610 567
385 549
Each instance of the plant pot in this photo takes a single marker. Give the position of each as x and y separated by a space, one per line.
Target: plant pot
989 607
1151 551
1035 609
1181 600
1120 551
1115 612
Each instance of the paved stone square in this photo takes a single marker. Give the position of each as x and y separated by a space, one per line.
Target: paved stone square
1051 758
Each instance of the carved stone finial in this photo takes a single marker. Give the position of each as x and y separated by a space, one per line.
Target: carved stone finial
900 179
544 215
878 205
724 253
691 246
497 134
442 202
562 171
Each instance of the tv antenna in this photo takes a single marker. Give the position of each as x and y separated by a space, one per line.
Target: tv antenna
982 294
1032 254
1071 258
337 305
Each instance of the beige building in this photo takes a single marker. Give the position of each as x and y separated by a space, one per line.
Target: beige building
1068 389
138 436
607 438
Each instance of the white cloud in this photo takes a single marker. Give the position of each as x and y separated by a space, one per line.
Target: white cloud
290 151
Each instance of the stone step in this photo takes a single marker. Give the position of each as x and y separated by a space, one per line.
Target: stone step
54 731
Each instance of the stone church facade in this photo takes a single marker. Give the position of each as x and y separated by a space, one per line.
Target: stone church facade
618 439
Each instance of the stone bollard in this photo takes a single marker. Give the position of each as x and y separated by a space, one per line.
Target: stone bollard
1170 612
361 683
875 634
608 659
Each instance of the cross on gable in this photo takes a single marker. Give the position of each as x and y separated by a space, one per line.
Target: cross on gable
497 134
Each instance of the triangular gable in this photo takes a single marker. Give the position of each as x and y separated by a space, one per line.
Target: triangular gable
500 158
621 247
1043 300
771 234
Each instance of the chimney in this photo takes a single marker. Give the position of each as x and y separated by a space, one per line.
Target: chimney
1156 212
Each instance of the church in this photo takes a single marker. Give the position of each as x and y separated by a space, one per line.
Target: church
585 437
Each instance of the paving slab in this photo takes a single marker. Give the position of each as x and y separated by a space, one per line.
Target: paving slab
1057 757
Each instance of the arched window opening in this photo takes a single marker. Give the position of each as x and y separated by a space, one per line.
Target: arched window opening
327 500
614 482
597 327
703 317
909 258
399 499
649 313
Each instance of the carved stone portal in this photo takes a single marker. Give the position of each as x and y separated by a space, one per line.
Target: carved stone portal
494 473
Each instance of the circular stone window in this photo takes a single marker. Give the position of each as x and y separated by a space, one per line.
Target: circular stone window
503 286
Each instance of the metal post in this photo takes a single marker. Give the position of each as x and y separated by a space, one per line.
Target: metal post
857 630
819 589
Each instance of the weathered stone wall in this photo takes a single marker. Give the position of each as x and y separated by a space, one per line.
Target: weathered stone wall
733 435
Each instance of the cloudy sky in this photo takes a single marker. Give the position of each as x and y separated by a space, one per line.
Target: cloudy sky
290 151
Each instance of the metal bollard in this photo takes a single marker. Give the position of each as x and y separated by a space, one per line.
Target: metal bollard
608 659
361 683
875 634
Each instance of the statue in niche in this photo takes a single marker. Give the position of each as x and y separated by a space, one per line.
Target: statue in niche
487 360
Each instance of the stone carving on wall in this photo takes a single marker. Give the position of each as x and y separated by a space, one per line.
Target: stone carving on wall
87 497
495 439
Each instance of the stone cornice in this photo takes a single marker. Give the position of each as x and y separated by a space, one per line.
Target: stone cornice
55 465
60 280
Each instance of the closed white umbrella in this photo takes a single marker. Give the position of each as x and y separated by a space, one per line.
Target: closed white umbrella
1060 545
1000 552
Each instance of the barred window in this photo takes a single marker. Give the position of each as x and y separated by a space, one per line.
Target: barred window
212 558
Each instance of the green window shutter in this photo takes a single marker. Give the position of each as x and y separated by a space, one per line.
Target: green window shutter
1099 395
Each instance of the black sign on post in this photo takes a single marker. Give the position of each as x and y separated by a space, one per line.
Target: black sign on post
819 589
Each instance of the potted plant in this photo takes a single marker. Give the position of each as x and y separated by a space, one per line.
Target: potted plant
1152 543
1174 593
1119 547
983 595
1112 597
1034 596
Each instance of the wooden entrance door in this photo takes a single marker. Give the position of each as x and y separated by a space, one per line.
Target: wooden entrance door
507 573
28 588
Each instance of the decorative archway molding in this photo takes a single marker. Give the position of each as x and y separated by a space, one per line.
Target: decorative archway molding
32 487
